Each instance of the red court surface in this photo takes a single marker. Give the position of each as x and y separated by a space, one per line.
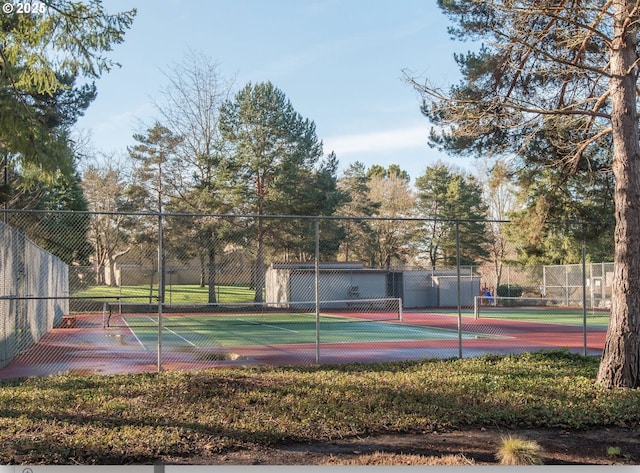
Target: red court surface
87 347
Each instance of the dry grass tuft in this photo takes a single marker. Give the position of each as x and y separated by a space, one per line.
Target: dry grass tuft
518 451
393 459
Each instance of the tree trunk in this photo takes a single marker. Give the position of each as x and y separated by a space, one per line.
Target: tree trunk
212 272
203 271
99 271
110 272
259 263
620 364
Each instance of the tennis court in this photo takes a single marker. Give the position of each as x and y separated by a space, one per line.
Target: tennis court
245 330
191 340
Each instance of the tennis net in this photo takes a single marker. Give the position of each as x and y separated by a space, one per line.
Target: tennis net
117 314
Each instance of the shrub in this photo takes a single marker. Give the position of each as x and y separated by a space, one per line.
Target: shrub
509 291
517 451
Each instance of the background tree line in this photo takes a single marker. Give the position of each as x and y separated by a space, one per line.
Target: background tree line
213 152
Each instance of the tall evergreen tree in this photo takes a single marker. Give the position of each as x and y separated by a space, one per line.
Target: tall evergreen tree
28 186
358 238
153 185
564 74
274 154
310 192
40 56
453 204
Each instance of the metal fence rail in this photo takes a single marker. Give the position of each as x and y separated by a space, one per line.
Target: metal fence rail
113 292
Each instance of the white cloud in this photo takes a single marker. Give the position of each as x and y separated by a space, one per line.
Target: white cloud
378 141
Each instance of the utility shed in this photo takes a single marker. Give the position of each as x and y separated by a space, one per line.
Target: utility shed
338 282
341 283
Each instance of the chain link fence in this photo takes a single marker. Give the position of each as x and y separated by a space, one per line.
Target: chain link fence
34 286
118 292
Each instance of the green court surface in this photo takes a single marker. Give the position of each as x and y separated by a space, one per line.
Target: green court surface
276 329
596 318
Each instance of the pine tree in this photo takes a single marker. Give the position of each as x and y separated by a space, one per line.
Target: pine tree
563 74
273 159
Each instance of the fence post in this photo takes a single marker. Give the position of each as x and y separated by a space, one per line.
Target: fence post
584 288
459 288
317 289
160 287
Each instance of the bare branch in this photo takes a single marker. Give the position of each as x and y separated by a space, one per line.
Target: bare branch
575 160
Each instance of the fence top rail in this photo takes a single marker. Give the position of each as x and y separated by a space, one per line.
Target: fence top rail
88 298
279 216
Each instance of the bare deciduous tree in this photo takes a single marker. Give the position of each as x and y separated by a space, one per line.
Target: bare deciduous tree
391 238
191 109
104 188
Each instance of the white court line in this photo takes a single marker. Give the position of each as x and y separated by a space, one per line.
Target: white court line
134 334
176 334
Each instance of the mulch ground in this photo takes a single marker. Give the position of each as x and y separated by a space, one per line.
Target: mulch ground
560 447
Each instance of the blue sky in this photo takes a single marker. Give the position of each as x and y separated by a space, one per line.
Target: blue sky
339 62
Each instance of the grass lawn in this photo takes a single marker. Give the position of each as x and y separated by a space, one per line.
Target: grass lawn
551 315
544 314
175 294
142 418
